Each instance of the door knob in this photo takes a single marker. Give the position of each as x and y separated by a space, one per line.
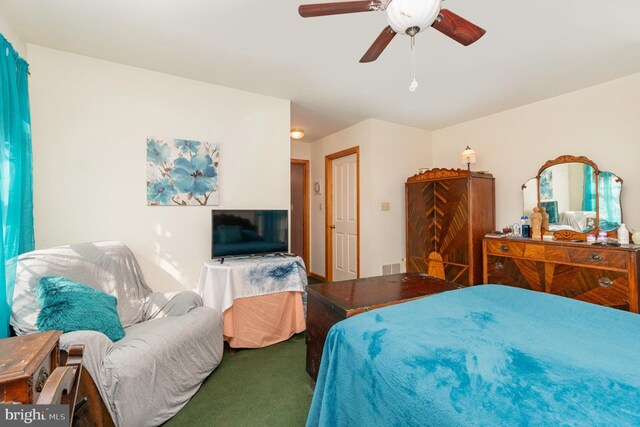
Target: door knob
333 226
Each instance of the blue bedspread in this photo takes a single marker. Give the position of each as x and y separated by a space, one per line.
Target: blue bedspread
487 355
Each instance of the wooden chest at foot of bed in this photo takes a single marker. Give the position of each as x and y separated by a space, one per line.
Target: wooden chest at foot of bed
329 303
604 275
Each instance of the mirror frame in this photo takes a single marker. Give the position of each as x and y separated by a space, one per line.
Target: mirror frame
524 186
570 234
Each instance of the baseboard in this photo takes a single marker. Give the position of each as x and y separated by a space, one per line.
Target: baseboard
317 276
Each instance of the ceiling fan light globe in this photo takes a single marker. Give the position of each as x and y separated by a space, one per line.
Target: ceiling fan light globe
404 15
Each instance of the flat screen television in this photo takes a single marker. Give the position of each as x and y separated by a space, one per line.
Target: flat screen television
249 232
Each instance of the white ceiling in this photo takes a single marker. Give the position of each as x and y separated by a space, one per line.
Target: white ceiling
532 50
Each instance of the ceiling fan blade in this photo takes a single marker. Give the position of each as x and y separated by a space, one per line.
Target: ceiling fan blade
457 28
323 9
379 45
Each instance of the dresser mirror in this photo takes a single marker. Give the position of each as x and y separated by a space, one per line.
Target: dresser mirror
578 197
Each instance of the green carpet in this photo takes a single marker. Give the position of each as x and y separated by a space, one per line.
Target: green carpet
253 387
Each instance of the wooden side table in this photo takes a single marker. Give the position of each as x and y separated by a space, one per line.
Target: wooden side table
329 303
25 365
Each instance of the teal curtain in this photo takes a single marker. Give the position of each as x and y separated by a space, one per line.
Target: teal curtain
589 196
609 188
16 182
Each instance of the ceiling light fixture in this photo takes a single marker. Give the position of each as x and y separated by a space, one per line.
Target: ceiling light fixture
297 134
411 17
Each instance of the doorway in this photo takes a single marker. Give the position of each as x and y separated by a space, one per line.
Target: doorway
342 233
300 209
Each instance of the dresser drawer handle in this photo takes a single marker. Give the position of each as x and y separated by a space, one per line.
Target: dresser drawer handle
499 266
504 248
596 257
605 282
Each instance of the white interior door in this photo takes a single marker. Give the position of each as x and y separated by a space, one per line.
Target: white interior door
345 218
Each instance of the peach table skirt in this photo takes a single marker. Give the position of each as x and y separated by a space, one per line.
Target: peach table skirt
263 320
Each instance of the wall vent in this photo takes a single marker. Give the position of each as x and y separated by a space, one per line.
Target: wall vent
388 269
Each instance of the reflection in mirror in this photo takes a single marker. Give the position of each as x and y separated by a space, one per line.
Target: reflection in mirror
529 196
568 193
609 189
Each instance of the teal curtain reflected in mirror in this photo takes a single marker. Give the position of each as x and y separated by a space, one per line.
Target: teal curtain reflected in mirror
16 183
609 189
589 196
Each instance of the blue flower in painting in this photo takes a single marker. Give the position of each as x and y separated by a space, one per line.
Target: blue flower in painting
187 146
161 192
196 176
156 152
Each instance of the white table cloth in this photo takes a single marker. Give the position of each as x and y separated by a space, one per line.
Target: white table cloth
221 283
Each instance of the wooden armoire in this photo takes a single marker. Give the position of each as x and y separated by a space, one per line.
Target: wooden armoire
448 213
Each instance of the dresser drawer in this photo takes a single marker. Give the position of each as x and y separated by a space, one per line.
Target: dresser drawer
519 273
504 248
597 286
598 257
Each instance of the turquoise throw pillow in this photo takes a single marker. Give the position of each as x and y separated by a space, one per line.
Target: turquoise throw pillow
69 306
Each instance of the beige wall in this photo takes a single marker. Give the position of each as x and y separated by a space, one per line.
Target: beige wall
601 122
389 153
10 33
90 123
300 150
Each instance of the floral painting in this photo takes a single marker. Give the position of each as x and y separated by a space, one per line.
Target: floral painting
182 172
546 184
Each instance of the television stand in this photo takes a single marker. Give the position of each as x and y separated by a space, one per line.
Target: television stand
240 279
220 283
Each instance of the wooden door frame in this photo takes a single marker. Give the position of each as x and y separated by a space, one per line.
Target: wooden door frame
305 163
328 203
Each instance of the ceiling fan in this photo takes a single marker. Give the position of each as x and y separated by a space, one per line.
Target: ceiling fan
408 17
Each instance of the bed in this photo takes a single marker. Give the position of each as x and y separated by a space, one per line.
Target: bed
486 355
581 221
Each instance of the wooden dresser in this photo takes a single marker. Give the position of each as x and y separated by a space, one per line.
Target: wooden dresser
26 363
448 213
604 275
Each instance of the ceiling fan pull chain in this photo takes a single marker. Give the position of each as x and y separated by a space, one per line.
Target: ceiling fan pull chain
414 83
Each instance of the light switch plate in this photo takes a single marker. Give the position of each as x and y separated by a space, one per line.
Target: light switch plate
385 206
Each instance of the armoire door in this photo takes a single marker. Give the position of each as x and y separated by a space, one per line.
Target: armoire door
438 221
